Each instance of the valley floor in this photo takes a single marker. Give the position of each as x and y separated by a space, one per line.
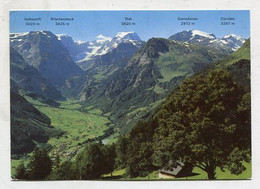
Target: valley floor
78 124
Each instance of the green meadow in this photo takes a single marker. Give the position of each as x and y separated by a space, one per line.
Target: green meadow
77 123
198 174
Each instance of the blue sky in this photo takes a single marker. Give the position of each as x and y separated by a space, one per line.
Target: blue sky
88 24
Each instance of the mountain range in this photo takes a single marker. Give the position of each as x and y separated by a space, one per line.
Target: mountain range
123 75
155 69
93 51
45 52
230 42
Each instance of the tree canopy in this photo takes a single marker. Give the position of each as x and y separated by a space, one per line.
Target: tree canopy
39 167
201 123
205 122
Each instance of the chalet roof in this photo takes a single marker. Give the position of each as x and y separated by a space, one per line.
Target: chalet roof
173 170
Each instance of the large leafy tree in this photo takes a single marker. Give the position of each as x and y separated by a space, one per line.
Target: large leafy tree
140 149
206 122
96 159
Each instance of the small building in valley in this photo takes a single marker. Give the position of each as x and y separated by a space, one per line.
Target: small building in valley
180 170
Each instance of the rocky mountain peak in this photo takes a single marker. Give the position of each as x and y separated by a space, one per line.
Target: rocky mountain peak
229 42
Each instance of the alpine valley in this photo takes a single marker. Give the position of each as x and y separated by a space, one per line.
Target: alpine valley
129 103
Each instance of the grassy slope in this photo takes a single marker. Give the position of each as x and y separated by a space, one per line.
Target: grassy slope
201 175
165 62
181 59
242 53
137 113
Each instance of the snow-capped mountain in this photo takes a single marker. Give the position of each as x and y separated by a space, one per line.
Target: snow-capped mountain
229 42
94 48
126 36
120 37
234 41
193 36
16 38
104 45
101 39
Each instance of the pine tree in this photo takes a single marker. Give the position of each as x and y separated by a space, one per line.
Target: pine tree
40 165
21 172
57 161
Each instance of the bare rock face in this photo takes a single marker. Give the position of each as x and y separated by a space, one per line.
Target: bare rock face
29 79
43 51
